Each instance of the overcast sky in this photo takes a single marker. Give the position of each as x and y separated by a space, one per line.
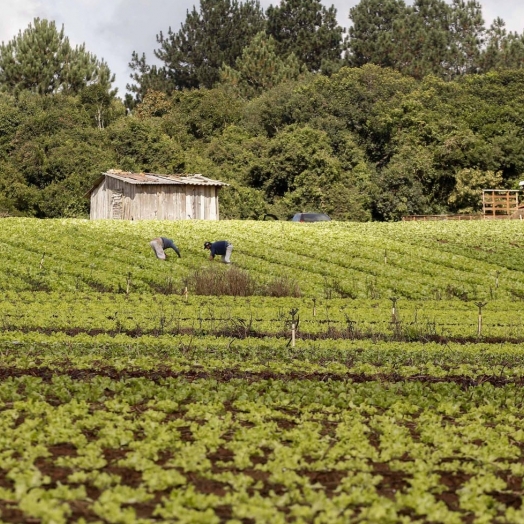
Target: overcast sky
113 29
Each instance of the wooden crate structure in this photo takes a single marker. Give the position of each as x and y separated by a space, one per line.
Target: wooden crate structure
499 202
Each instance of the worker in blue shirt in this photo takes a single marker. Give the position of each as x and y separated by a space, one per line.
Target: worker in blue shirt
160 244
222 248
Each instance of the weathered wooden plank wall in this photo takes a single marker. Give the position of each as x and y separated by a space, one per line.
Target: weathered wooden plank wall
119 200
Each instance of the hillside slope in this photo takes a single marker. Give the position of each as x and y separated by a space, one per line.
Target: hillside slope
473 260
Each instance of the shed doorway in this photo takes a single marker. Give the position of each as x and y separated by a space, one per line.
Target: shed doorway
116 205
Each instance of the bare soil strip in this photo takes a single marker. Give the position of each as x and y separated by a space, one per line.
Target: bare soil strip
161 373
242 333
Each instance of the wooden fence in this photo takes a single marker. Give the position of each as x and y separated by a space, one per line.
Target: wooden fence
408 218
444 217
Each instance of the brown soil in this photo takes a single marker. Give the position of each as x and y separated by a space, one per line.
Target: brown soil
391 483
222 458
47 374
331 333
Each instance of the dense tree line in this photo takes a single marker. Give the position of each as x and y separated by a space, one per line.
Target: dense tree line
414 112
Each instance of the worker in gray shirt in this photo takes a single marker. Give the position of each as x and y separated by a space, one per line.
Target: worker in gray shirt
222 248
160 244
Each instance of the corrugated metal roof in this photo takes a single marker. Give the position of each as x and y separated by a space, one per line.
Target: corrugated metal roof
152 178
155 179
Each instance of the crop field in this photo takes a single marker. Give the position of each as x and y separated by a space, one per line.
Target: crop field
367 373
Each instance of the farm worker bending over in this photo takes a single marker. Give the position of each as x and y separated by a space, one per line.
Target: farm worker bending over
160 244
222 248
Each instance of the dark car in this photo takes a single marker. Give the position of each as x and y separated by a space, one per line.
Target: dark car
310 217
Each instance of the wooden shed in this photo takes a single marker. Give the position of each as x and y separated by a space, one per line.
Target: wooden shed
146 196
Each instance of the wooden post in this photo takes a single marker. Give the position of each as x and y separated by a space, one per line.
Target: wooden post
185 293
394 310
479 329
497 280
42 261
395 324
294 324
385 257
480 305
128 283
314 307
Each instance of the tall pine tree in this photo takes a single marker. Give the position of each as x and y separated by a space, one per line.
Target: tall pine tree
147 78
468 35
503 50
42 60
308 30
424 39
210 37
371 33
260 68
428 37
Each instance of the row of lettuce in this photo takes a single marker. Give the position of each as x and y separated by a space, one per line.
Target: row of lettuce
216 357
139 314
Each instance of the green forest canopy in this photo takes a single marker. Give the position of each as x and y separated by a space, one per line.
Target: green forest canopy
350 125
